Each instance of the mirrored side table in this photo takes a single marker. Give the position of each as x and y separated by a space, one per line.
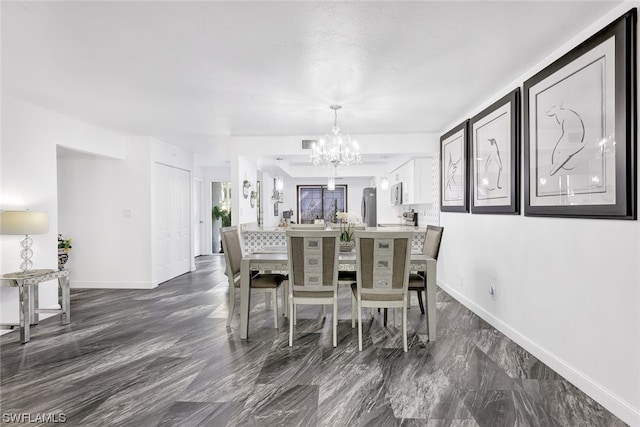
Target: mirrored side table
27 284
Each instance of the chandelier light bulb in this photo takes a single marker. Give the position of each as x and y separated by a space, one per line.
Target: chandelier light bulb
331 185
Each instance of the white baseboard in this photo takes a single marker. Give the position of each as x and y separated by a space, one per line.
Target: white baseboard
618 406
112 285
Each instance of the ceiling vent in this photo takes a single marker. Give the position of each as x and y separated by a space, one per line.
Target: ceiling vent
307 144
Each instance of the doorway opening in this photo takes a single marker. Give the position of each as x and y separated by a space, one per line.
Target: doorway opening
220 212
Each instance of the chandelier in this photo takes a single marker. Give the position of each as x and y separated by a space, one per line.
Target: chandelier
335 149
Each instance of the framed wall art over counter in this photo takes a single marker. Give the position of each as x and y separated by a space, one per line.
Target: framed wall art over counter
495 142
579 129
454 169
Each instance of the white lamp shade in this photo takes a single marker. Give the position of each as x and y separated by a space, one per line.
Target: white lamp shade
384 183
24 222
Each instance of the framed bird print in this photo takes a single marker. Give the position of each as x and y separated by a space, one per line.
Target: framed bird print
454 169
495 141
580 121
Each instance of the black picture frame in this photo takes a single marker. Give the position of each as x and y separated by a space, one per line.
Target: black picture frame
495 157
454 169
580 129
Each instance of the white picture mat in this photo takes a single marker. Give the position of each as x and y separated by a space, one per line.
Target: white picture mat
572 132
491 149
453 170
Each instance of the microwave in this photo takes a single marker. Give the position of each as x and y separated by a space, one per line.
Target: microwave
396 194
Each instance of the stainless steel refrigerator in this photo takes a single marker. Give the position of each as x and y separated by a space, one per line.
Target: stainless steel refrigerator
369 207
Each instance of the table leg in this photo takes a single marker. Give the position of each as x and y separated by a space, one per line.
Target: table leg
245 295
65 300
33 304
24 312
431 298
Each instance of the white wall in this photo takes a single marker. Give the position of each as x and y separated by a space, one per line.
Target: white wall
567 290
105 206
269 219
243 169
29 138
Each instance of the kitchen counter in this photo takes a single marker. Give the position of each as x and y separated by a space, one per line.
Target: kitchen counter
255 238
380 227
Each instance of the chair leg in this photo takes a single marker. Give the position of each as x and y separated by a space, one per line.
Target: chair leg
291 322
232 301
359 325
324 311
294 315
420 301
285 302
404 328
353 312
335 320
274 297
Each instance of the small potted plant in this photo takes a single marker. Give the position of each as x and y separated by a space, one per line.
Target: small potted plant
346 235
64 245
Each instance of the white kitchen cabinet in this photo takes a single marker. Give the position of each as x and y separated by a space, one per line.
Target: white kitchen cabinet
417 181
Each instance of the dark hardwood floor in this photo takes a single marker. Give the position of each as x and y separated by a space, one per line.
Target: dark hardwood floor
164 357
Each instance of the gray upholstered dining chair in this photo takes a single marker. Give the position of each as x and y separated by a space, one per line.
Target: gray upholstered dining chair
382 268
431 248
313 272
267 283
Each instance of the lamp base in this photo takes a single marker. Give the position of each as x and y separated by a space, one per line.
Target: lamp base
26 253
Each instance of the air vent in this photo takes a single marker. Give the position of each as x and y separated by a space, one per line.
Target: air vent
307 144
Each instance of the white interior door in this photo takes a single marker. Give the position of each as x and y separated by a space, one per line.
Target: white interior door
173 222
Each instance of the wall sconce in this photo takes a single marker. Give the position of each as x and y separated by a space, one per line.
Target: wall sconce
246 185
278 186
252 199
24 222
384 183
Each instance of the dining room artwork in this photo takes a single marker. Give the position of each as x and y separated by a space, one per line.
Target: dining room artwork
495 141
454 169
579 118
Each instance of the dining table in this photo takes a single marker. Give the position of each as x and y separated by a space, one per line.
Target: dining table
276 260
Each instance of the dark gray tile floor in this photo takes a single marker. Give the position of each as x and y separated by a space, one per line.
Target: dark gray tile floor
164 357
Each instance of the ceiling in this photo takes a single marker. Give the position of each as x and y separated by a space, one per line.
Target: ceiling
197 73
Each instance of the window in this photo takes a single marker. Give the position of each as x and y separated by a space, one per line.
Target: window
318 202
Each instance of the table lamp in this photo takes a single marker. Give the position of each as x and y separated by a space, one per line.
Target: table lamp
24 222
